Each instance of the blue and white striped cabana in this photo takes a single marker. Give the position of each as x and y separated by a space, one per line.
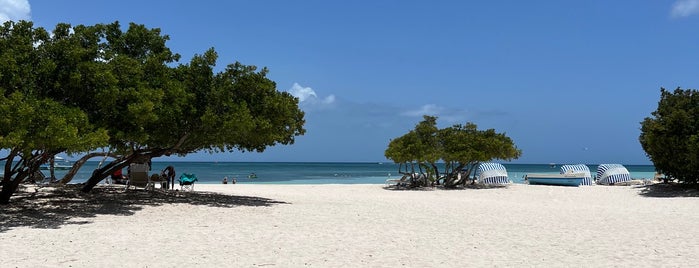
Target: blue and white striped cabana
579 168
612 173
492 173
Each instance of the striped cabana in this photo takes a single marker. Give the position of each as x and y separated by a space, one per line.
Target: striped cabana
579 168
492 173
608 174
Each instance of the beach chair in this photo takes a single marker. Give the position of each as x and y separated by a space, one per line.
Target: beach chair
402 182
157 179
187 181
409 181
138 177
39 178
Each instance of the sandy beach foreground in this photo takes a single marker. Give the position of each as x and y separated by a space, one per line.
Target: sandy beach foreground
355 226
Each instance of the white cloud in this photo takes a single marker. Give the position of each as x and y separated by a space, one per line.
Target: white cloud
308 96
445 114
14 10
329 99
303 93
427 109
684 8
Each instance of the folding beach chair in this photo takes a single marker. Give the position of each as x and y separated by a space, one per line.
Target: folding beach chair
187 181
138 176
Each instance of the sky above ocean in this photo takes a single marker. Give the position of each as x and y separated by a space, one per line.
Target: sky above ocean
568 81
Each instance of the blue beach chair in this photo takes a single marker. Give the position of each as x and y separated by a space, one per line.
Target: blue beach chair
187 181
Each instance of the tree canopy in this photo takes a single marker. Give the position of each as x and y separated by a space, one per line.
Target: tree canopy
89 87
459 146
670 136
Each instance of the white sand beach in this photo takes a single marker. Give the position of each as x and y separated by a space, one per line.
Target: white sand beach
358 226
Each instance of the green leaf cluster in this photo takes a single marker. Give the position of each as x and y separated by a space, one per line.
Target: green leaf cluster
30 125
670 137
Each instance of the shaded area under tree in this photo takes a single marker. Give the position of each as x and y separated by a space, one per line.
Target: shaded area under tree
51 208
669 190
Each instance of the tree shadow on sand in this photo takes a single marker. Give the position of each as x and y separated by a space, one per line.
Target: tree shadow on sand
669 190
50 208
477 186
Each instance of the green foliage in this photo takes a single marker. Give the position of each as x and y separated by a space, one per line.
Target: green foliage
84 87
458 146
28 125
670 137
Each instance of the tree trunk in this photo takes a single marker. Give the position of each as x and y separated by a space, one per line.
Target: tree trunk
9 187
7 190
436 174
102 173
52 171
78 164
453 180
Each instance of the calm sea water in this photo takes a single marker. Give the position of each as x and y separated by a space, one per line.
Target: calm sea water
322 173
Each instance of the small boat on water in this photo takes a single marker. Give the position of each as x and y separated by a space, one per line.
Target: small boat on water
59 163
566 179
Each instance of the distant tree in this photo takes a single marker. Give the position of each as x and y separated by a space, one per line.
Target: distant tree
429 151
458 146
402 151
670 137
464 147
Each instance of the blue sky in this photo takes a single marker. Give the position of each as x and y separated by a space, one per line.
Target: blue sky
568 81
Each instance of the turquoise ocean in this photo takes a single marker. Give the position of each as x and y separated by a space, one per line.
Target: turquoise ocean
322 173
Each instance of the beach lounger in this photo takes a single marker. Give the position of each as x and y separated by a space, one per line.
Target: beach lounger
187 181
402 182
408 181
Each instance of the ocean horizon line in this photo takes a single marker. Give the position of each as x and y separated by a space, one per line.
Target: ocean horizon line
375 162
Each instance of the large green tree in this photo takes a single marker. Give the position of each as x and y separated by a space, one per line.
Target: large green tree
670 137
126 90
34 127
160 110
152 106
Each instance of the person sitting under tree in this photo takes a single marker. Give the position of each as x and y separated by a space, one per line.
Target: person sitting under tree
118 177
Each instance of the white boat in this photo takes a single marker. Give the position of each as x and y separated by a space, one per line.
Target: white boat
59 163
567 179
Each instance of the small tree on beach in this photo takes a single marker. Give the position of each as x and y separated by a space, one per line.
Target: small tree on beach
670 137
429 150
464 147
418 148
460 147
